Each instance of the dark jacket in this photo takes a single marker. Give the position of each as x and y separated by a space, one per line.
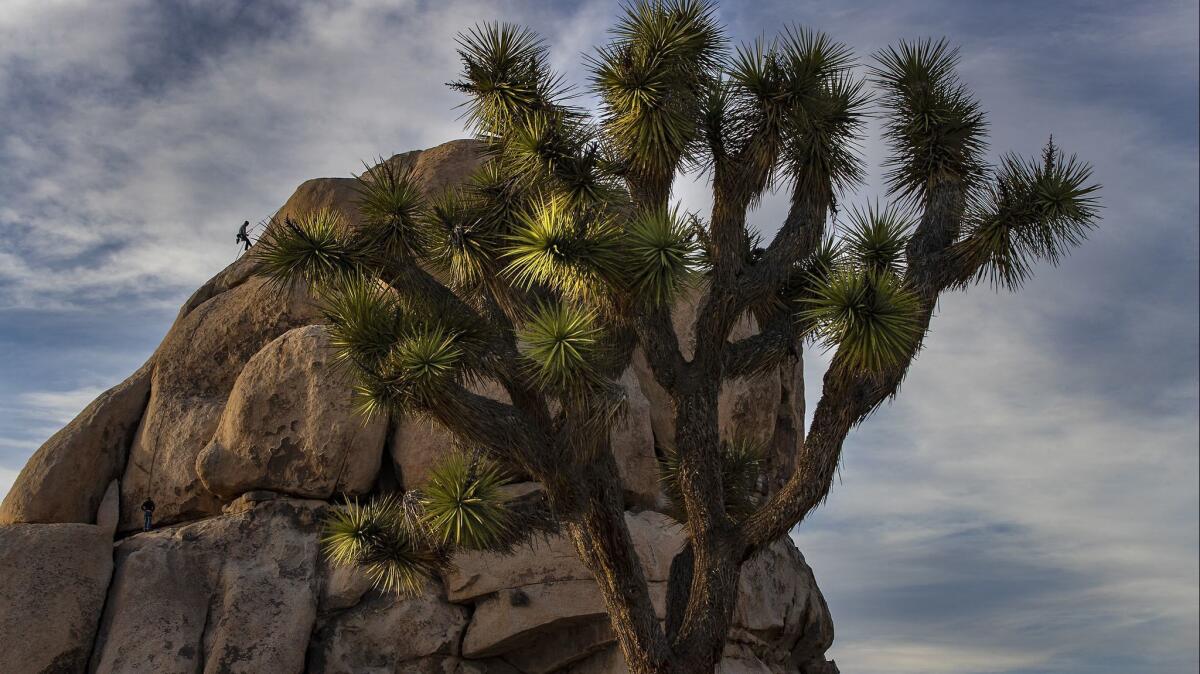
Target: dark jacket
148 506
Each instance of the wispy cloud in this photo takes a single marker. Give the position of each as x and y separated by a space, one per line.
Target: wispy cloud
59 406
1027 505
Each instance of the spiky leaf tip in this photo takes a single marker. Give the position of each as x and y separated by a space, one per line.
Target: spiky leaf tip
1031 211
464 504
506 73
872 319
876 237
364 320
662 253
650 78
562 343
423 363
391 205
379 539
937 129
574 252
465 239
316 249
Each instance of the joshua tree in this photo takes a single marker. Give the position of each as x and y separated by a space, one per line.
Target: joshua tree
561 257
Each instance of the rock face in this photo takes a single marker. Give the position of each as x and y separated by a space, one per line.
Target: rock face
234 593
241 430
53 579
289 426
195 369
66 478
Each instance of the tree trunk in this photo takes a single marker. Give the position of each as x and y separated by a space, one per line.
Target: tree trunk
698 638
602 542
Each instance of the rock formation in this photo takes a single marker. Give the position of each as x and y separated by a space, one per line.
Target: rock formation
241 431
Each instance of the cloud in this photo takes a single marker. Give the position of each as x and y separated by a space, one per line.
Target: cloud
7 477
134 179
59 406
1028 504
1040 524
934 658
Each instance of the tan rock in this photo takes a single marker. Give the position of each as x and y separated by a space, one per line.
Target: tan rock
656 537
220 327
735 661
67 476
386 634
342 586
289 426
53 579
195 369
607 661
335 194
781 616
522 600
234 593
237 273
543 613
554 650
433 170
108 515
632 441
512 619
547 625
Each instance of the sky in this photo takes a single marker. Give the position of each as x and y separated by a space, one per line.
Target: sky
1029 502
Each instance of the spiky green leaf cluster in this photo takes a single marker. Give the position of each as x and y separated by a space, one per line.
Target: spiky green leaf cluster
465 506
422 362
392 209
935 126
365 321
570 251
651 78
518 106
1031 211
876 237
417 370
662 254
317 249
506 75
383 538
871 318
741 468
562 343
794 105
465 240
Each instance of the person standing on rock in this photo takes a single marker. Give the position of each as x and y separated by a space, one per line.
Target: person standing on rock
147 513
243 236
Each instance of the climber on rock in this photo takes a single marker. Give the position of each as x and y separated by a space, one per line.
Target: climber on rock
243 236
147 513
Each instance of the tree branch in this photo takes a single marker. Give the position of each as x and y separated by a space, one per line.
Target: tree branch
500 428
658 340
799 236
775 343
848 397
